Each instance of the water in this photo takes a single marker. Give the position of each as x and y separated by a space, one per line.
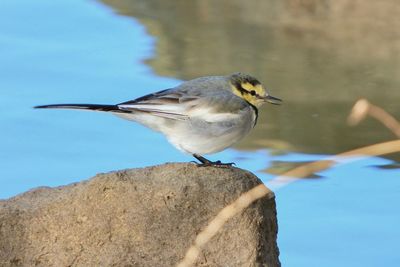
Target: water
45 60
83 52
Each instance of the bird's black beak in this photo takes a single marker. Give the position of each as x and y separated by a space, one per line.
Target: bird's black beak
272 100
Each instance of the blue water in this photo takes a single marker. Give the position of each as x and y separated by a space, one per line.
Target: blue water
80 52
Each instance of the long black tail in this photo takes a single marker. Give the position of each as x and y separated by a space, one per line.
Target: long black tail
95 107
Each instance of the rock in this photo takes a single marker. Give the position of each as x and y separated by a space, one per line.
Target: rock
138 217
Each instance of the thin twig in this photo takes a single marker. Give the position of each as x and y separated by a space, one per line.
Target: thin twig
363 107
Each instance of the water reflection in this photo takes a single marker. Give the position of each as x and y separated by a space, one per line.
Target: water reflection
318 56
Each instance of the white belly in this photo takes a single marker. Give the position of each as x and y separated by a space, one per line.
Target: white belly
200 145
196 136
203 138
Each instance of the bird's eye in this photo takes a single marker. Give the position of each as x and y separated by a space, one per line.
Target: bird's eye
252 92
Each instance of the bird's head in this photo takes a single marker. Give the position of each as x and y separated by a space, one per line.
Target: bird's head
251 90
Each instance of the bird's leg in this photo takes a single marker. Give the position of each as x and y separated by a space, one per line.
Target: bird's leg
205 162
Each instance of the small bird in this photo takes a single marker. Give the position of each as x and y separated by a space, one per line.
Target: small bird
201 116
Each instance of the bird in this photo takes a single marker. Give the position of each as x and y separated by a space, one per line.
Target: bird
199 117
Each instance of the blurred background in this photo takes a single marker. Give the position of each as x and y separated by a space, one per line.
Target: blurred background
318 56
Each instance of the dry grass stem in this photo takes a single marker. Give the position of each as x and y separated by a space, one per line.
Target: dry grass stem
362 108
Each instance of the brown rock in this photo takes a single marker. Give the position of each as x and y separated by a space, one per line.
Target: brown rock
138 217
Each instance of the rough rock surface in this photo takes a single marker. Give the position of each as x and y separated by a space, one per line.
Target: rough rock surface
138 217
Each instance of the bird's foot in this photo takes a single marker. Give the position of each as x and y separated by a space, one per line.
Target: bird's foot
208 163
217 163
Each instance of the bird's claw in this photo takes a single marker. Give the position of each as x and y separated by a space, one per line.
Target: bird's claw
208 163
217 164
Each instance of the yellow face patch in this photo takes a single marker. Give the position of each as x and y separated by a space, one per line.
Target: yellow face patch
247 86
259 89
250 93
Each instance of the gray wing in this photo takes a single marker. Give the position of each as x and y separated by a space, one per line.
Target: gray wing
169 103
184 102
